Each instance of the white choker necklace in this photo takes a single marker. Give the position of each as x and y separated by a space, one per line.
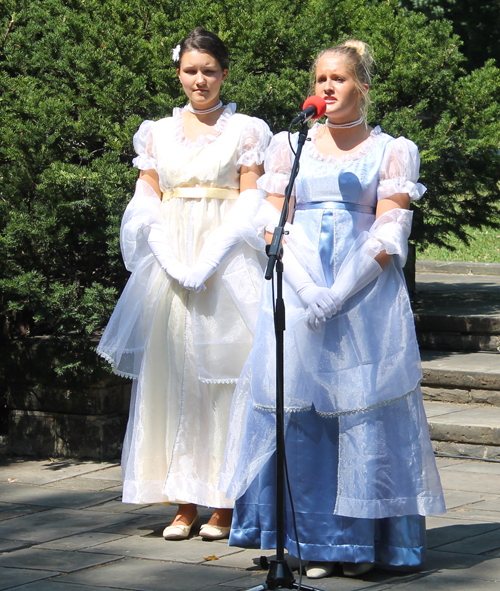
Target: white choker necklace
344 125
204 111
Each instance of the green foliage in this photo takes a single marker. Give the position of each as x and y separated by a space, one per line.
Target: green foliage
78 77
476 23
483 247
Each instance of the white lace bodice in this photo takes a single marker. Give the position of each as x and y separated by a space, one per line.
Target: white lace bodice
212 160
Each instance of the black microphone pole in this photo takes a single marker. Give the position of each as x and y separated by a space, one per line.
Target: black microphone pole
280 574
274 250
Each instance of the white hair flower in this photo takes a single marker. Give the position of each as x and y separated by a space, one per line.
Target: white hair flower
176 52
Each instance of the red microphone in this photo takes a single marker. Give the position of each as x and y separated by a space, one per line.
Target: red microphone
314 107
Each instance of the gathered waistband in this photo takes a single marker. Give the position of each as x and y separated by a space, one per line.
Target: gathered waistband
200 193
336 205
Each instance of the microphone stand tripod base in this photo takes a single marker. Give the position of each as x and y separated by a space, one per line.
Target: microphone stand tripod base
280 576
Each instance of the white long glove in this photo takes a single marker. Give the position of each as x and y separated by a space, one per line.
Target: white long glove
320 300
223 240
389 232
160 246
361 270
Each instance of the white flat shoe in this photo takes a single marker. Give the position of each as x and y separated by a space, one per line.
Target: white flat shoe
214 532
356 569
179 531
319 570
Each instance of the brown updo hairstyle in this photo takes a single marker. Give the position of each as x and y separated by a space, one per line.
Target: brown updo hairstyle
358 61
206 42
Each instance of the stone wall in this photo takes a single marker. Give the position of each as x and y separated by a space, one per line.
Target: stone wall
43 415
89 423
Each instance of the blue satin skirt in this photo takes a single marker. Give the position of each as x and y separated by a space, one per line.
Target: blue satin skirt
312 458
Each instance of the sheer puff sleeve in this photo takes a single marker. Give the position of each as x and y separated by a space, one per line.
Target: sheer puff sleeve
400 170
278 165
254 142
144 147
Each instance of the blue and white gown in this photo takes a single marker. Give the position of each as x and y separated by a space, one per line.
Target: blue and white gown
360 460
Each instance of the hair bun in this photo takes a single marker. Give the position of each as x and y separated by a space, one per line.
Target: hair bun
363 50
359 46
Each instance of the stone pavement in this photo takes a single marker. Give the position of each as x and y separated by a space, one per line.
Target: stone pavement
63 528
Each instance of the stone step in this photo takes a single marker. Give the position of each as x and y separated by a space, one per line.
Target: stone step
468 431
461 377
461 369
458 312
458 268
457 342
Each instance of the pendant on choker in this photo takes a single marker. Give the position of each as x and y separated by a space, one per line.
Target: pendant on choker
204 111
344 125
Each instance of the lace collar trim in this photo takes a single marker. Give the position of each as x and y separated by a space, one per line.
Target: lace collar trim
201 140
366 146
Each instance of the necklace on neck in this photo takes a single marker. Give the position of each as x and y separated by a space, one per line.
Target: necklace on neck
204 111
344 125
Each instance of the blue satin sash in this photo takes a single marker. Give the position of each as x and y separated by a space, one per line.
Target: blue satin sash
336 205
327 238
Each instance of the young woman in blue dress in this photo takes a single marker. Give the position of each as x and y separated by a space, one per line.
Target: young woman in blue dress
360 460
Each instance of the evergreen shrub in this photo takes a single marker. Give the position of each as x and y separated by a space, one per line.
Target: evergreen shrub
78 77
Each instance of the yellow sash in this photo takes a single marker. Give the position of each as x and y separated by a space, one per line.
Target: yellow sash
200 193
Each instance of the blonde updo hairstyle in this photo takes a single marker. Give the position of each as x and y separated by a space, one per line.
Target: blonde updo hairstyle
358 61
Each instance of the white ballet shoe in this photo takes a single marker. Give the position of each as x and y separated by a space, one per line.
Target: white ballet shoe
214 532
319 570
356 569
179 531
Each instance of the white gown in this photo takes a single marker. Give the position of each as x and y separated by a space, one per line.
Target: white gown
185 350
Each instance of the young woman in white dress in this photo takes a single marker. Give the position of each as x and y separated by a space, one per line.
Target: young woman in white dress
360 460
184 324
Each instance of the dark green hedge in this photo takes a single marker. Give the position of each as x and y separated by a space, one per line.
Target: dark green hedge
78 76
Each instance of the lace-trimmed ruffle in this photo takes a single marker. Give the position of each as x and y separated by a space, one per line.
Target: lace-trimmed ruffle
251 157
291 410
111 360
143 162
254 141
366 146
201 140
274 182
226 381
389 187
143 145
399 170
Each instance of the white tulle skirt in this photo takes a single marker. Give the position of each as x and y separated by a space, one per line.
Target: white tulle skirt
185 352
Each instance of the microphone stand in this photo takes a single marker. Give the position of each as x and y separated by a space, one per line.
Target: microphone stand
280 574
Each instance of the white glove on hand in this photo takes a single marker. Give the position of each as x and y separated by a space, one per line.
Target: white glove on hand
389 232
320 300
222 241
161 248
197 275
361 270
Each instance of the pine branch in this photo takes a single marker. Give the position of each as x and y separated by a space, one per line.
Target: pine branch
12 20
